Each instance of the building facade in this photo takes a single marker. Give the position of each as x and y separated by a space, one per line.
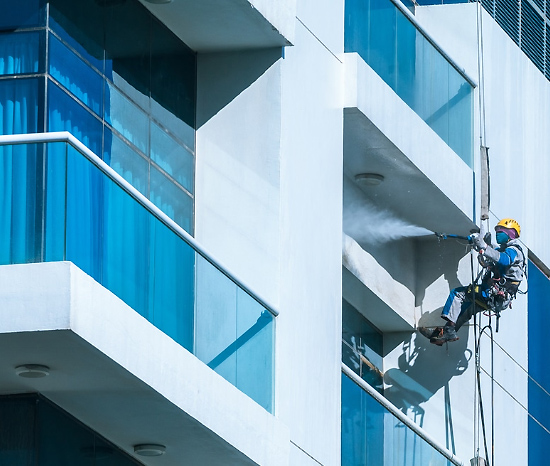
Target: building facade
217 232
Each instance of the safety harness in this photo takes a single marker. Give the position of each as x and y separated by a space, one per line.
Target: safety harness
495 293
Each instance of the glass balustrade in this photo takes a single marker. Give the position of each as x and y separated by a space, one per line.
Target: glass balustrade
416 70
372 435
56 205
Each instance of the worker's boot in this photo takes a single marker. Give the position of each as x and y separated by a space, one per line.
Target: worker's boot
444 334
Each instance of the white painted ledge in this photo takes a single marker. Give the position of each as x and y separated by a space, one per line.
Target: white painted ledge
388 304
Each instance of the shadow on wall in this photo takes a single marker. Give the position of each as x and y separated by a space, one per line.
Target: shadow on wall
423 369
222 76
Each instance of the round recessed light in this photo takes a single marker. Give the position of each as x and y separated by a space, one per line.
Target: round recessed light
32 371
149 449
372 179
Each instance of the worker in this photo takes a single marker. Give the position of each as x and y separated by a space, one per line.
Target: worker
504 271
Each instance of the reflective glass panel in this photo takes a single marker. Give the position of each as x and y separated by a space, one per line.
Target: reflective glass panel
81 25
28 13
171 199
67 114
76 76
21 105
127 118
35 432
172 157
21 53
132 166
20 204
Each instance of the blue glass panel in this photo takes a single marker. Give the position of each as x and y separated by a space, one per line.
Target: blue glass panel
362 427
21 53
66 114
216 320
19 106
126 162
85 227
172 200
126 239
173 272
76 76
28 13
17 431
55 195
360 342
20 204
538 320
254 348
127 118
172 157
80 24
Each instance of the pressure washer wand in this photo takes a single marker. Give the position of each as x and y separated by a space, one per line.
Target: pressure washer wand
447 236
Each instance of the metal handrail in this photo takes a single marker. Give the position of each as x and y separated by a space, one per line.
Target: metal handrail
403 9
402 417
65 136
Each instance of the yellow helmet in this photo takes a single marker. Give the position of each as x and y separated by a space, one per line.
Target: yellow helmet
509 223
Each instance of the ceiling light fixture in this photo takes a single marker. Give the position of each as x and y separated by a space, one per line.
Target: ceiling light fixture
149 449
32 371
371 179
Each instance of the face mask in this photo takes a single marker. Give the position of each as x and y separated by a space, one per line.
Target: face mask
502 237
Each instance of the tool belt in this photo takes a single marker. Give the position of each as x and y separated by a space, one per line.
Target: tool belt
495 297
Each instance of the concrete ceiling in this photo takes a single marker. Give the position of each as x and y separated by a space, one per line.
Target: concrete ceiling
405 192
110 400
218 25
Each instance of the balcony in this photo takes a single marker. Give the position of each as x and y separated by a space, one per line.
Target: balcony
376 432
62 203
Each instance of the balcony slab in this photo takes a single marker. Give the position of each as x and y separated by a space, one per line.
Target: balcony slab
121 376
223 25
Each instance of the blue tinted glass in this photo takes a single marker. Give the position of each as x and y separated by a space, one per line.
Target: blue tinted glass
216 320
62 441
362 346
21 53
127 118
126 162
66 114
20 204
55 195
539 408
80 24
21 14
17 431
19 106
362 427
85 216
254 348
172 76
126 239
173 269
75 76
171 199
172 157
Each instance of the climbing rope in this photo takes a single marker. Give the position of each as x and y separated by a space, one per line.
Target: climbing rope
479 412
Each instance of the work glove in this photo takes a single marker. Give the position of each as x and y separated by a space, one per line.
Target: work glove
477 242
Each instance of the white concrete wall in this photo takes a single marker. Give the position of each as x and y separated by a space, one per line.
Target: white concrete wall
269 205
517 98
